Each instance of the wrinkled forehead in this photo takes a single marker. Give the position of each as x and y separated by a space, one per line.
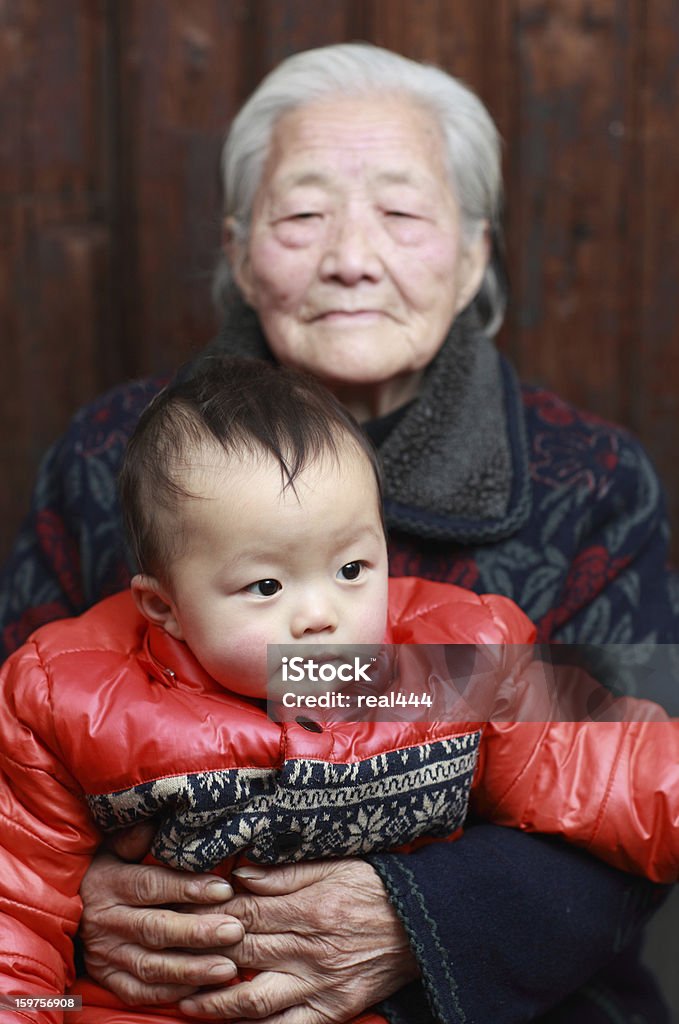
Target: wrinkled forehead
395 124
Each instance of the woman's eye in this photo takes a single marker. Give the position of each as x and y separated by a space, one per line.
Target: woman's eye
264 588
351 571
303 215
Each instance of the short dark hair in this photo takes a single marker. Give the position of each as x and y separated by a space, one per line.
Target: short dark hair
240 405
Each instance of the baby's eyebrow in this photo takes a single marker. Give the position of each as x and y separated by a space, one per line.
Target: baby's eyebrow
354 535
254 557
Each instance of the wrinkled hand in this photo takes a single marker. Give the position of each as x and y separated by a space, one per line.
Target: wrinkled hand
128 931
325 938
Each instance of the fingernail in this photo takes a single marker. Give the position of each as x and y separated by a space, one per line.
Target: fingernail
219 890
249 872
228 933
223 972
188 1006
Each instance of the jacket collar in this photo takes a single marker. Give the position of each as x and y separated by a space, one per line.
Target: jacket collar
456 463
172 663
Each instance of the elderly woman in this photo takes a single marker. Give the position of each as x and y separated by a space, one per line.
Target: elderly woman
360 243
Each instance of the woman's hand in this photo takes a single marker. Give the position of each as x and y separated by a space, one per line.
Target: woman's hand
325 938
129 934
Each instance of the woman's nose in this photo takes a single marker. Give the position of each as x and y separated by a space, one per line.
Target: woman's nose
351 254
314 616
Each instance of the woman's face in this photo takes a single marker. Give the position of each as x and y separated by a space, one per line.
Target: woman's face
355 262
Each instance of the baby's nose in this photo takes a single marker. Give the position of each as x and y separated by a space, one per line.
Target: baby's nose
315 616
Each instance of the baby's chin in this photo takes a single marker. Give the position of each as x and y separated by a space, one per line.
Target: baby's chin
253 685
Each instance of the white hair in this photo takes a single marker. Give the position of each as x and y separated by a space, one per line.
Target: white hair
471 141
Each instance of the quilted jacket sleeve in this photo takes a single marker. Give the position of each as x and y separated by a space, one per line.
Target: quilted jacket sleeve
46 837
611 787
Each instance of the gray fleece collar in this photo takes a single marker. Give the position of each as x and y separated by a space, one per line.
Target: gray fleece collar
456 463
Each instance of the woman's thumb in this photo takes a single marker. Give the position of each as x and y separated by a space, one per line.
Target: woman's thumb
286 878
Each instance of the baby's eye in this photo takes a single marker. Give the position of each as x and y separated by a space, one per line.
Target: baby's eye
351 571
264 588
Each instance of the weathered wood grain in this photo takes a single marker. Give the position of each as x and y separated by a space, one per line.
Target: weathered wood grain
56 298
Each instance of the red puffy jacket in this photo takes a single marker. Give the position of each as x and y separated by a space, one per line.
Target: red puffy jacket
106 721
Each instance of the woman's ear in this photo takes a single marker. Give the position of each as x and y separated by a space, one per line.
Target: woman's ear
474 259
236 253
155 604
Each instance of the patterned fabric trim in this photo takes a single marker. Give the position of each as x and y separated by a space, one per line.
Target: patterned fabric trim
397 876
304 810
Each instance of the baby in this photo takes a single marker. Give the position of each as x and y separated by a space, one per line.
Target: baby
252 502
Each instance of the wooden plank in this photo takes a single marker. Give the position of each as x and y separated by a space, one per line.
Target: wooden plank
54 290
280 29
443 33
180 71
654 369
568 172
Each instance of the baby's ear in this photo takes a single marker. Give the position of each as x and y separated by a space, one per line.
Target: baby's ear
155 604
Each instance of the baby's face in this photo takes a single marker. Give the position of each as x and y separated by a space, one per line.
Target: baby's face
261 565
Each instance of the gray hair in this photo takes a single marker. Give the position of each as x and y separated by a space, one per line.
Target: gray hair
471 142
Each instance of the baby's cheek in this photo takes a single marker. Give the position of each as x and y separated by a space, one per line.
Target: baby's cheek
240 666
372 626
